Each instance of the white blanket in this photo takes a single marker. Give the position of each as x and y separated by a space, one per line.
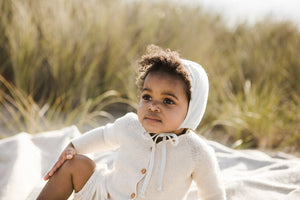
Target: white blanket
247 175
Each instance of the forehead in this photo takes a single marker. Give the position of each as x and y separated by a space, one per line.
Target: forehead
164 80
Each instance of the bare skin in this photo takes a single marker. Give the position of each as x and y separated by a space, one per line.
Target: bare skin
69 173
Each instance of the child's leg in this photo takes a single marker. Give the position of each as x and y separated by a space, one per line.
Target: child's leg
72 175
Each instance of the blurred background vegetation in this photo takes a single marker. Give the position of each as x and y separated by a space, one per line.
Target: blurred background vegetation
74 62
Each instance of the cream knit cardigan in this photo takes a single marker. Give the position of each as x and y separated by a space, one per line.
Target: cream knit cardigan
191 159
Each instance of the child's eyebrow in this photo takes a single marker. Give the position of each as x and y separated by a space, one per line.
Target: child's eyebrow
146 89
170 94
167 93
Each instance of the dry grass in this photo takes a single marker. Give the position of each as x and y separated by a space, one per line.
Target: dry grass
65 62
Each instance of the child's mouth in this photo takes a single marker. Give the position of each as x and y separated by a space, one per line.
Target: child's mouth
152 119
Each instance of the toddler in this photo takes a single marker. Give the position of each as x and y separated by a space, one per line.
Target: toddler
158 155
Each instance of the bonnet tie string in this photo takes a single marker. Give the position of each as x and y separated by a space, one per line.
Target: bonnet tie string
174 141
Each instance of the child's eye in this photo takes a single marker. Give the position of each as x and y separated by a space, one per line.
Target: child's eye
146 97
168 101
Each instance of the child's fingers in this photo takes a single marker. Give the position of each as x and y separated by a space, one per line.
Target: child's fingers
70 154
46 177
49 174
54 168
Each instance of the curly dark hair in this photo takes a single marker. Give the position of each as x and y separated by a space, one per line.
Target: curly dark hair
157 59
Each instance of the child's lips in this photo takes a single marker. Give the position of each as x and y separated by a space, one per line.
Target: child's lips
152 119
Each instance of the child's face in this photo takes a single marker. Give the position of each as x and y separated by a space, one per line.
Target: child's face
163 104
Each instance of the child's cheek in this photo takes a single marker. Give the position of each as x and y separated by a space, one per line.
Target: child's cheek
140 111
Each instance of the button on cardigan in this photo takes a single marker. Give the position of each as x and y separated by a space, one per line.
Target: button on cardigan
191 159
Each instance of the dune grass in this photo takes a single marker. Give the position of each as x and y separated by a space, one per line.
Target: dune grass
70 62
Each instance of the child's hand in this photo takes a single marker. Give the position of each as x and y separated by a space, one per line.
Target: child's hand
68 153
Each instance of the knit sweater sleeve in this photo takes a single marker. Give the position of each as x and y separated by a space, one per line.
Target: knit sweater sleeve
206 172
96 139
102 138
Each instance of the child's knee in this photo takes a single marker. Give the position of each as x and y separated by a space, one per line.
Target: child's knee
80 162
81 168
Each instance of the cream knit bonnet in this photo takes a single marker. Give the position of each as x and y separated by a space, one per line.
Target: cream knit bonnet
200 88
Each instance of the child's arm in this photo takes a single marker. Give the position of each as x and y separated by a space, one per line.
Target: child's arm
67 153
104 137
207 176
89 142
98 139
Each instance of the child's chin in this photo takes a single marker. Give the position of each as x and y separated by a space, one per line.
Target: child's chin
155 130
150 130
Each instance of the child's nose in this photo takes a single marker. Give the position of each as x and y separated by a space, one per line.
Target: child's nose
154 107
